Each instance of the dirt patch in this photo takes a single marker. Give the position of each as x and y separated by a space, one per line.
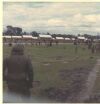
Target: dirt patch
95 98
58 95
76 77
75 74
46 63
59 57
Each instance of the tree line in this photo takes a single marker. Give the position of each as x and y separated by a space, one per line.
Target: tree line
18 31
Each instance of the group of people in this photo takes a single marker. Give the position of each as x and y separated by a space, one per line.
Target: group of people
93 46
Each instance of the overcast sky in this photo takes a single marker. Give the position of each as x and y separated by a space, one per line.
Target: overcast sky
53 17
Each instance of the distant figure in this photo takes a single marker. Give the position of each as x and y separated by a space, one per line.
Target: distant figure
56 42
39 42
89 44
10 44
50 42
93 48
98 47
18 72
76 43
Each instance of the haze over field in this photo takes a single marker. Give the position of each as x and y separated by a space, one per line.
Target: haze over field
53 17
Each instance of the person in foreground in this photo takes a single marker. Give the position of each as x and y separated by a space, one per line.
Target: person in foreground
18 72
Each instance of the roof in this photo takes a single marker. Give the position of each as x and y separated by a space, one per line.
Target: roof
67 38
34 37
53 38
81 38
45 36
72 38
59 38
16 36
27 36
86 38
6 36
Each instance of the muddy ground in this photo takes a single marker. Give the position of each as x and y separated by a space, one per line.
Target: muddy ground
77 82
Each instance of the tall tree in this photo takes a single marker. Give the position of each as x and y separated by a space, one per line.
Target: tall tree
10 30
17 30
13 30
34 33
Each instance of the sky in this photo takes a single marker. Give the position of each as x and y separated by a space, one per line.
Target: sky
53 17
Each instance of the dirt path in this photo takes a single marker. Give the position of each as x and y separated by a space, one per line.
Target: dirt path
85 94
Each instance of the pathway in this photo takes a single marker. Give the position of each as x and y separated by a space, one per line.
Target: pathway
85 94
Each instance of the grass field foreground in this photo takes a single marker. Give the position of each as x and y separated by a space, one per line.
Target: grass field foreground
58 69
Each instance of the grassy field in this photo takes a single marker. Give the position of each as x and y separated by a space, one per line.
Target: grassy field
58 69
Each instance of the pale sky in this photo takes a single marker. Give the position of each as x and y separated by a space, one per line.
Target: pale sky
53 17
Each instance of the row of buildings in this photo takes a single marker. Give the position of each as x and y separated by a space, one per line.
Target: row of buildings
44 39
41 38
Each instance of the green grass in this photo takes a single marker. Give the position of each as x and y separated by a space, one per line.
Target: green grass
49 61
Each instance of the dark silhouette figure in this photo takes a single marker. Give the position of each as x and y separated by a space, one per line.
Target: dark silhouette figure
76 45
98 47
10 44
56 42
18 72
50 43
90 44
93 48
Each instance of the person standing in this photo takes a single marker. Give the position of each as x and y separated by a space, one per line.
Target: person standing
76 45
18 72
